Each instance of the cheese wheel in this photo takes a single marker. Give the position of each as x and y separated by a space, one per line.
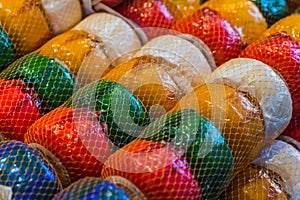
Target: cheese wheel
237 114
180 52
62 14
289 24
265 84
25 23
120 40
254 183
148 78
244 15
283 159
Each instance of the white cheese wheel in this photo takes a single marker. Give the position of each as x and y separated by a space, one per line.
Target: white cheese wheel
120 40
62 14
283 159
192 64
265 84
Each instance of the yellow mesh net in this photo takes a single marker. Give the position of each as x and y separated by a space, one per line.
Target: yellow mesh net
26 173
255 182
149 99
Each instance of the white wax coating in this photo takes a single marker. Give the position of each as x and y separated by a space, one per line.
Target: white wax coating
120 40
262 82
62 14
283 159
192 65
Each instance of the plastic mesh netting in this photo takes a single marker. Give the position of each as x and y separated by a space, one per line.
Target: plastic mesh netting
90 188
25 173
150 99
237 114
30 23
257 183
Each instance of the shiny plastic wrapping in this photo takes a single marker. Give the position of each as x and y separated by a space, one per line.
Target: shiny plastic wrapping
178 8
159 75
30 23
54 71
60 169
124 114
92 124
150 99
155 169
147 78
218 34
154 17
256 182
283 159
181 8
120 39
59 133
20 108
190 137
237 13
49 77
92 188
271 10
98 35
8 49
263 83
157 91
30 87
274 10
281 52
26 24
25 173
187 56
236 113
83 54
95 6
147 14
62 14
289 24
43 80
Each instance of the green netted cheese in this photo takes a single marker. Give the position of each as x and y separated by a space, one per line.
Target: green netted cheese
52 81
123 113
210 158
7 49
